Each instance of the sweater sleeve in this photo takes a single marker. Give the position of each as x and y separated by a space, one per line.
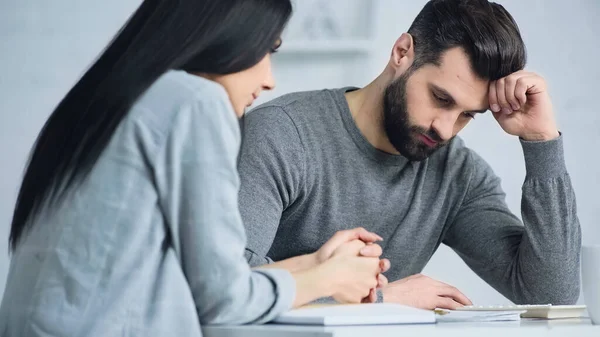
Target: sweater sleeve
535 261
272 172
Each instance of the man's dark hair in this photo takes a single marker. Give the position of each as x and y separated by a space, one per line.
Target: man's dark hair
485 30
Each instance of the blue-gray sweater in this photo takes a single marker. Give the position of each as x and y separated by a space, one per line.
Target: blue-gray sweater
152 243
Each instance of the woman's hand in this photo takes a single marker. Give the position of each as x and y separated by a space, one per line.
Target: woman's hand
345 236
347 268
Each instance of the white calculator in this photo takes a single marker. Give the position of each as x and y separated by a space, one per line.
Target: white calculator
547 311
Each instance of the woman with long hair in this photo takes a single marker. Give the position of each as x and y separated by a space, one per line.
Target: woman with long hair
126 223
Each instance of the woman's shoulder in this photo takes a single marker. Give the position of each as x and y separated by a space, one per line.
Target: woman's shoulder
178 93
180 85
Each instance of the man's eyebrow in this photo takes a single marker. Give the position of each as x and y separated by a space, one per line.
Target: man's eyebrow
443 92
446 95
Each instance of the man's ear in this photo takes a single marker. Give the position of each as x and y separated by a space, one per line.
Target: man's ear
403 53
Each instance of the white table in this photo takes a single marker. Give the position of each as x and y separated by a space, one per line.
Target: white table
524 328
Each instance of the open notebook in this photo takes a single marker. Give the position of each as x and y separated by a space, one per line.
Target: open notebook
477 316
357 314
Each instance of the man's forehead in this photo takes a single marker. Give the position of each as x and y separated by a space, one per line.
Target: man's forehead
455 75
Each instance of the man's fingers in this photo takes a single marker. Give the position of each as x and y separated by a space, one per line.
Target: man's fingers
455 294
521 90
448 303
501 96
494 106
509 90
414 276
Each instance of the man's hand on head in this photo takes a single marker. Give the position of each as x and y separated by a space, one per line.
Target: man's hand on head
521 104
423 292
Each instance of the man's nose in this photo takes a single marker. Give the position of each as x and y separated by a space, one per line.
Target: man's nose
444 127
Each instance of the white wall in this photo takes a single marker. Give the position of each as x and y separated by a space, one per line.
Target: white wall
45 46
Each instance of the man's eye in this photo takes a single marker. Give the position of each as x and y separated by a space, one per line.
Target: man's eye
441 99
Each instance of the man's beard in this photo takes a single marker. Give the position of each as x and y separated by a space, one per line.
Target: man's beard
404 136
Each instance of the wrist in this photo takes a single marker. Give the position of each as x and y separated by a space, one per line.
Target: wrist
295 264
544 159
326 279
306 261
540 136
311 284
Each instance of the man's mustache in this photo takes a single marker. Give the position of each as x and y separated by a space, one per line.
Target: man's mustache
429 133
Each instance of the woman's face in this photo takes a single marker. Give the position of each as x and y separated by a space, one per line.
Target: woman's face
245 86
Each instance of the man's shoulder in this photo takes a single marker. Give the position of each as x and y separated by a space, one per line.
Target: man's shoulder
297 105
299 112
278 119
300 99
